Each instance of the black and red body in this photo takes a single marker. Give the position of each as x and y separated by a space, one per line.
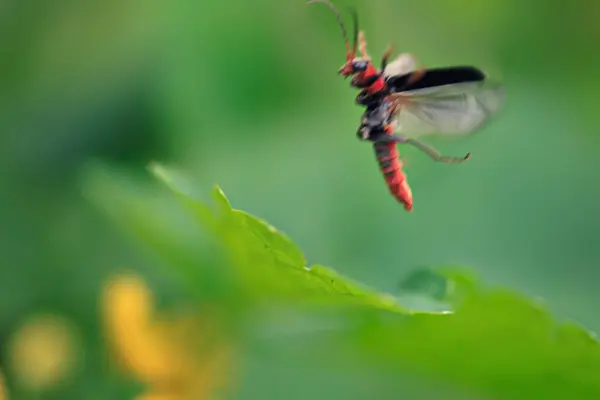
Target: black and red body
376 121
389 162
375 128
385 96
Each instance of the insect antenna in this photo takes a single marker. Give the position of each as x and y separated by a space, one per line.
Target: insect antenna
349 52
355 30
362 46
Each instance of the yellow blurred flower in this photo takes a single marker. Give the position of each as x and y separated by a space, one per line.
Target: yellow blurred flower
43 353
162 353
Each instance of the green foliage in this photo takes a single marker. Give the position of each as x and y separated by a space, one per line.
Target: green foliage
493 344
233 89
268 261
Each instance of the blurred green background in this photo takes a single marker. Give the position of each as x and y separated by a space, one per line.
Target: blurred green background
245 94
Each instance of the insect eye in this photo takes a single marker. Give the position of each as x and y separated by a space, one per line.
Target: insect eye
359 65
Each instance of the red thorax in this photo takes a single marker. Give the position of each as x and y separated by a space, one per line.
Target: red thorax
367 75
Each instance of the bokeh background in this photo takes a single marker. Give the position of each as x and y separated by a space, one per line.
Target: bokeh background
245 94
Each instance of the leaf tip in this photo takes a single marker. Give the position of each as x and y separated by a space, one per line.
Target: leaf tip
158 170
220 198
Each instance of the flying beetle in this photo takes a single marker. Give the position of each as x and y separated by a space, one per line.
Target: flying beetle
404 102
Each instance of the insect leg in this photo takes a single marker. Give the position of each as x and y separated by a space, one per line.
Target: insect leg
386 58
433 153
430 151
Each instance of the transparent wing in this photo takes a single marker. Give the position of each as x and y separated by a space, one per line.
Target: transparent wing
403 64
447 110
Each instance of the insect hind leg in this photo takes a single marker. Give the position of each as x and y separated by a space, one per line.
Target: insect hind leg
434 154
430 151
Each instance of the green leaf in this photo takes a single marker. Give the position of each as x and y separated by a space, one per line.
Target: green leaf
346 287
176 184
497 343
275 241
494 344
221 200
444 284
268 262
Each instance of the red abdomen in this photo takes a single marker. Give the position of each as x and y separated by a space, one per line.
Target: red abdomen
391 166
